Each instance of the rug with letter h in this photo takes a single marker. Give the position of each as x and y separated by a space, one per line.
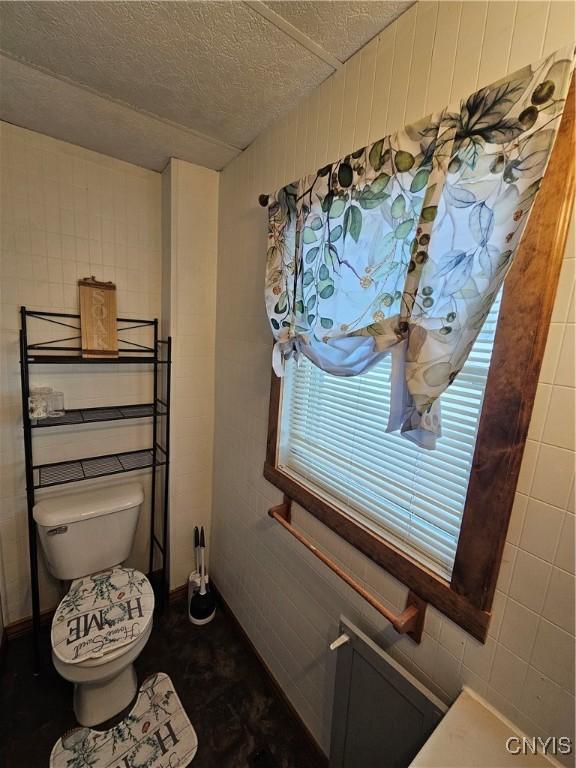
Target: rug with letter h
155 734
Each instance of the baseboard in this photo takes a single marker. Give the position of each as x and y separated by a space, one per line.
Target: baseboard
3 644
323 760
24 626
178 593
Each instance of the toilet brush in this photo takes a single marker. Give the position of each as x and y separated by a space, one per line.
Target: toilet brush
202 603
194 577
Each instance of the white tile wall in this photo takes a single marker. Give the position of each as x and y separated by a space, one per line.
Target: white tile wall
287 601
191 195
67 213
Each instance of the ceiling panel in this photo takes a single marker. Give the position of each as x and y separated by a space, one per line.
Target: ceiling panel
216 67
339 26
198 80
40 102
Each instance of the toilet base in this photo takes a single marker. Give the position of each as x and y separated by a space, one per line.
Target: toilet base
94 703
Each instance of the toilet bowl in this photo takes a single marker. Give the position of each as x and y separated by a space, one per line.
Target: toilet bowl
104 621
105 686
99 629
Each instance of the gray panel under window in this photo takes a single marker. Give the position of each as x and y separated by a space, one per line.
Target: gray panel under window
382 715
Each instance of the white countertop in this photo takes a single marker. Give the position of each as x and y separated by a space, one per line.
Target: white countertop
473 735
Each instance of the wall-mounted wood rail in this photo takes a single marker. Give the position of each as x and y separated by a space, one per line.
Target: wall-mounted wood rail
410 622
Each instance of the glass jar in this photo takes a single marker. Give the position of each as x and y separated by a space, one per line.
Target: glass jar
56 404
39 402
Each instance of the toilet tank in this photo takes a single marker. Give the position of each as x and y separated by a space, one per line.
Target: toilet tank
85 532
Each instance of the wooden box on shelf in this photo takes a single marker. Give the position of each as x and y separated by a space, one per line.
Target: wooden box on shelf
98 318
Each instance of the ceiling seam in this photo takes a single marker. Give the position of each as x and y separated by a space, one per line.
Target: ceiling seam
296 34
119 102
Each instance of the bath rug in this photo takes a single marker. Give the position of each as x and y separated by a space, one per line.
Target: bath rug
101 613
155 734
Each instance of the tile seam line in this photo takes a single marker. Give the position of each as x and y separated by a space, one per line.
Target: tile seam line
412 41
429 72
454 57
481 46
544 36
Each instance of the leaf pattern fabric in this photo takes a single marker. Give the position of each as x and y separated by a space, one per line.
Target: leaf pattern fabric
401 247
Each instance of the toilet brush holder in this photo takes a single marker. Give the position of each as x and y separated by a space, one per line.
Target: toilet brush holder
201 600
193 590
202 608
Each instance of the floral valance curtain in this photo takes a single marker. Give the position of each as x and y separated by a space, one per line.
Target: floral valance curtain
401 247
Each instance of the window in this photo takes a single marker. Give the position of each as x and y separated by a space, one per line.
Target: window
333 441
325 451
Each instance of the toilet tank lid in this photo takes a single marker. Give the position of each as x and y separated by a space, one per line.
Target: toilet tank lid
59 510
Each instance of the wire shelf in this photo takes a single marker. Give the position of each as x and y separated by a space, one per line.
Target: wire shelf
62 472
128 350
78 416
78 360
56 340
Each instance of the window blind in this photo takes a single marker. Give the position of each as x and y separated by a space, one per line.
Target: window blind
333 441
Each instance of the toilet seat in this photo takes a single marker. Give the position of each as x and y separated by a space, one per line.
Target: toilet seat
102 616
105 667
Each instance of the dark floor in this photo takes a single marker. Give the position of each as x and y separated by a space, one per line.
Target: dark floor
238 716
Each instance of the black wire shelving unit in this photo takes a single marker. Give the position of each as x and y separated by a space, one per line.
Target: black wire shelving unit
67 351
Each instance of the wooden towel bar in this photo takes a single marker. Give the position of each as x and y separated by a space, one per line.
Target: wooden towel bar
410 622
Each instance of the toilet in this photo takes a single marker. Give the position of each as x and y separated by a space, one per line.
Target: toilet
104 621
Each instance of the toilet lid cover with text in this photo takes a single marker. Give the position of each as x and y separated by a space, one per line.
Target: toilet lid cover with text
101 613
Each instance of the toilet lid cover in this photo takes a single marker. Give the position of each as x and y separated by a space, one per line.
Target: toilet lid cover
101 613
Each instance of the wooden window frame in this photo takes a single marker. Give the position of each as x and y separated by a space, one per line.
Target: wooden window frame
521 334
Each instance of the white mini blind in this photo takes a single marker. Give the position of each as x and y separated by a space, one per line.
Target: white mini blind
333 441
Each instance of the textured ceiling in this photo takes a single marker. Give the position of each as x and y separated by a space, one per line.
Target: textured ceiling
340 27
45 104
197 80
